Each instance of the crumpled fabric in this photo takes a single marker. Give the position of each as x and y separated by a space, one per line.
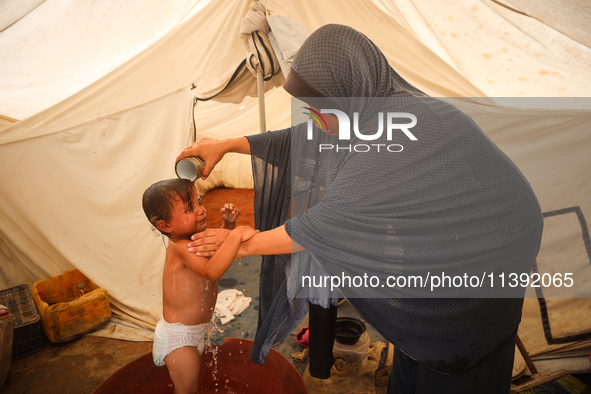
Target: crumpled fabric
287 36
254 20
254 31
303 337
230 303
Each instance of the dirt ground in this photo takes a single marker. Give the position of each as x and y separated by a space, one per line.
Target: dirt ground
78 366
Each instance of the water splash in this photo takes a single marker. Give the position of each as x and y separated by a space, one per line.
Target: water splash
212 329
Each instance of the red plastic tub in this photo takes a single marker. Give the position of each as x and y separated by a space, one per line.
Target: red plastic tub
235 374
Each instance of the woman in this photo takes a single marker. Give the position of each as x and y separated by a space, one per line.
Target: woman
428 199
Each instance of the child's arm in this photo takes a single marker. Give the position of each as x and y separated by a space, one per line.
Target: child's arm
229 213
214 267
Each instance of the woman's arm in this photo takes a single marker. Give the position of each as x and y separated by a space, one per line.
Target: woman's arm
212 151
275 241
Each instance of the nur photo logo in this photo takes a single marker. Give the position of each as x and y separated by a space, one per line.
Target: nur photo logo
390 123
318 118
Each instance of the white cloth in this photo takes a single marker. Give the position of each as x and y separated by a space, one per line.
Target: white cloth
170 336
230 303
286 36
254 20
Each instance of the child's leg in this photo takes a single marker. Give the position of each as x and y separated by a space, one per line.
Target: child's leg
183 366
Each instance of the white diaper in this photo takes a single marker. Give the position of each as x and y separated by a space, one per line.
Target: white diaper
171 336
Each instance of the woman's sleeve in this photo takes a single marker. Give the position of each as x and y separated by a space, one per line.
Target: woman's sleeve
271 169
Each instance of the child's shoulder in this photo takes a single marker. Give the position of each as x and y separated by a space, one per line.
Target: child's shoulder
177 246
179 251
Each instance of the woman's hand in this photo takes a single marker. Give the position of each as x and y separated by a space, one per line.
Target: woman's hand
207 242
212 151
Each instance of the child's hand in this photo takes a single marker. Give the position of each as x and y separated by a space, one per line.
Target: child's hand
229 214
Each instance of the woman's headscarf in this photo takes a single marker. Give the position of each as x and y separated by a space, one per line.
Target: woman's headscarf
339 61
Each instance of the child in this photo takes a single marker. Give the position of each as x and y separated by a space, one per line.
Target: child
189 285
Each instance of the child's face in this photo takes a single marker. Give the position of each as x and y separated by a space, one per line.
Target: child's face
187 219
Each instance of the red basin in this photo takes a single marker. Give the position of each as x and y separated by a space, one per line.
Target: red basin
235 374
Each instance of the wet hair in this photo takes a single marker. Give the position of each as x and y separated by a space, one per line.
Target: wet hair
157 199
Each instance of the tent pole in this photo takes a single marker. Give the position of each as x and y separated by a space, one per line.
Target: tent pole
261 94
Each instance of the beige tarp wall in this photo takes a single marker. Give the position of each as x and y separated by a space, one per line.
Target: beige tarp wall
104 111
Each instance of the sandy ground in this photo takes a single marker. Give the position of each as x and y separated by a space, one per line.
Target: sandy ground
78 366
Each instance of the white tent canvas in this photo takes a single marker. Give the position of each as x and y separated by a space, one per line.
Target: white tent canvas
104 97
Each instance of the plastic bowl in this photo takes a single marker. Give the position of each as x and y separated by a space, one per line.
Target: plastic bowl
349 330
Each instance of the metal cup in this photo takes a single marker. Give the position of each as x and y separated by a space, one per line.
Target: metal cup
190 168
